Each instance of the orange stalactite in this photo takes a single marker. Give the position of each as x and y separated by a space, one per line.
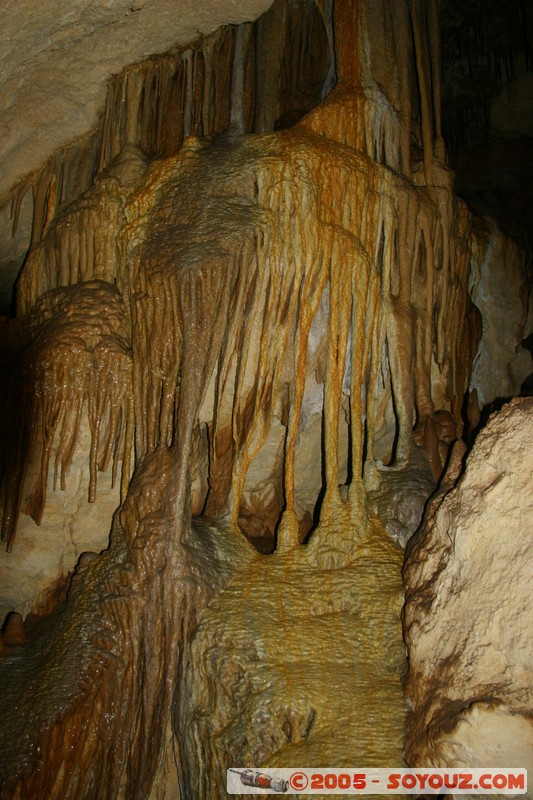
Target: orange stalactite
346 22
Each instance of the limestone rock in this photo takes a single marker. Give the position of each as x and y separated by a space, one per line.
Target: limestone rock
58 58
254 688
286 294
64 421
469 612
501 295
70 526
401 496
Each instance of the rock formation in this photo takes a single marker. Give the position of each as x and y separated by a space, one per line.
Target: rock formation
468 608
245 316
57 62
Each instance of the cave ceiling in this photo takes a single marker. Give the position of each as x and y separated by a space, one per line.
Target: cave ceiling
57 60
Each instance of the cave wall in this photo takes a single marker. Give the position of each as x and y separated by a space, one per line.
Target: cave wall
247 302
468 608
502 363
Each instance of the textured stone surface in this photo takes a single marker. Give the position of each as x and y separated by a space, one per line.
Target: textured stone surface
54 67
401 497
296 664
65 416
469 611
500 291
57 58
70 526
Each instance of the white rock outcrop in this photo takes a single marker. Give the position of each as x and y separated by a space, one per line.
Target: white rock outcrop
469 608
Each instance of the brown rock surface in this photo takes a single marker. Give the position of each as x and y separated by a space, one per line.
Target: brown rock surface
469 611
499 288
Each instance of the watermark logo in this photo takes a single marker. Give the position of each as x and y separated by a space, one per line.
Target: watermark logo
258 780
248 780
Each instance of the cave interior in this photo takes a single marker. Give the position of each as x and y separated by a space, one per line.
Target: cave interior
266 366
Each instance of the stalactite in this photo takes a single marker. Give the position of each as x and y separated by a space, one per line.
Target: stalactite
365 208
271 31
326 10
236 115
434 45
76 360
81 241
189 92
361 115
156 104
16 202
424 86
